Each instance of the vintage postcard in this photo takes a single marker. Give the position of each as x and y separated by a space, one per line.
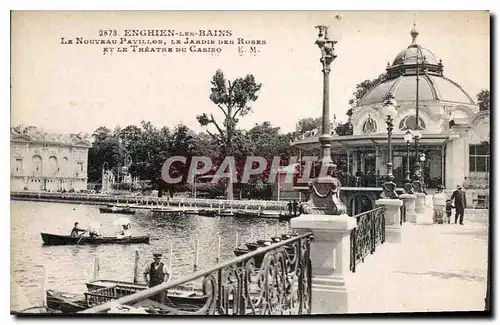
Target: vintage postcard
249 162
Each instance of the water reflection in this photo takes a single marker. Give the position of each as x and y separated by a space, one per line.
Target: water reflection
67 268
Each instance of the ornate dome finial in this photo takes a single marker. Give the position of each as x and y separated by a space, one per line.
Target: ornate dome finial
414 34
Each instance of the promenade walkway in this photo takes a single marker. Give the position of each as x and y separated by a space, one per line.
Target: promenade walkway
435 268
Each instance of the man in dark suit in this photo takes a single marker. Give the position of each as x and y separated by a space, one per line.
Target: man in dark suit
460 203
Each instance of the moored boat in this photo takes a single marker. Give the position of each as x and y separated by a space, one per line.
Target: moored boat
52 239
65 302
286 216
207 213
226 213
115 209
180 295
102 291
246 214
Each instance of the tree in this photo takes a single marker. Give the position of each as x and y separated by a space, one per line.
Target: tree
106 148
362 88
233 99
344 128
308 124
101 133
483 100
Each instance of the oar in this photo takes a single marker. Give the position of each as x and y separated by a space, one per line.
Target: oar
81 237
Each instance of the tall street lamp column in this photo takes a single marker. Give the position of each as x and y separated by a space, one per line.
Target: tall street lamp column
389 198
327 56
324 190
417 178
324 215
407 186
389 110
104 179
409 196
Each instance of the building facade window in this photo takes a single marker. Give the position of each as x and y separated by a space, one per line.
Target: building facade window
37 164
369 126
479 159
19 165
410 123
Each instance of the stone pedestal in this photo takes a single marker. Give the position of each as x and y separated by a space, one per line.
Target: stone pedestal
392 222
411 215
330 257
420 203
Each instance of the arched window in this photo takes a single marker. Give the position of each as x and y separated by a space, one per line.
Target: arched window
369 126
37 164
53 165
65 166
409 123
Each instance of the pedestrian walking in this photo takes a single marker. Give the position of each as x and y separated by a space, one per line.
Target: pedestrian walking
460 201
295 207
289 206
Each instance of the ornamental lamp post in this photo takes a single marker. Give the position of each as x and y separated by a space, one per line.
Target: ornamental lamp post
327 56
389 110
417 178
324 198
408 137
422 160
104 186
417 136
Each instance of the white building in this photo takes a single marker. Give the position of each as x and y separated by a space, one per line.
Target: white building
42 161
453 129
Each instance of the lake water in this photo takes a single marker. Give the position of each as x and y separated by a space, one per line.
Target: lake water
35 268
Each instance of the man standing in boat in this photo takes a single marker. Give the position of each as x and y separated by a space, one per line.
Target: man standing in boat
155 274
75 231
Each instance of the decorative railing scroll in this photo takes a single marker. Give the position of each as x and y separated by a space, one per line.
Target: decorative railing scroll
272 280
368 234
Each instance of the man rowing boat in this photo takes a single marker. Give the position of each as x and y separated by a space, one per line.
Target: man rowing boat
75 231
124 232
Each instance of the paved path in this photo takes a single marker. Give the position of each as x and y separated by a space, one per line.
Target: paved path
435 268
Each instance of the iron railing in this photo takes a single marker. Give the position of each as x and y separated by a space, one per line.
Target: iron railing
402 217
272 280
368 234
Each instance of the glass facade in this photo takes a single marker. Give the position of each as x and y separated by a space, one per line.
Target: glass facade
479 158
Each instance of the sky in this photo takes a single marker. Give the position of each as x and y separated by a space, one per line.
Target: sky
73 88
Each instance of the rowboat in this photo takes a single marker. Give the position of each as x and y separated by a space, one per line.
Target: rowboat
181 295
269 214
246 214
287 217
51 239
102 291
65 302
115 209
226 213
207 213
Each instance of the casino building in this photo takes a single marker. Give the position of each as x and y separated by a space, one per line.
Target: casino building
453 131
42 161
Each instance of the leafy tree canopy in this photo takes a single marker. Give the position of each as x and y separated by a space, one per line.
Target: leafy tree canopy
483 100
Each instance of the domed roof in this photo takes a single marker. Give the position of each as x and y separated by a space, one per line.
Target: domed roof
430 88
410 54
416 62
414 51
